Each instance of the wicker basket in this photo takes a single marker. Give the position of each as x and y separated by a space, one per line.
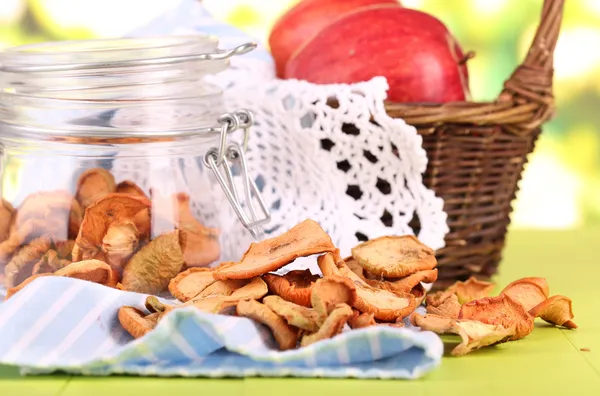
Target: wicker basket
477 152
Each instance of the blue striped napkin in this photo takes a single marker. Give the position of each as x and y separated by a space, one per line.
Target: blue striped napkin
70 325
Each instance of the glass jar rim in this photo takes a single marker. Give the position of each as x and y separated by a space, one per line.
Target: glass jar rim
123 52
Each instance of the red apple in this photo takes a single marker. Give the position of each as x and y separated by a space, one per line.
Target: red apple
421 60
306 19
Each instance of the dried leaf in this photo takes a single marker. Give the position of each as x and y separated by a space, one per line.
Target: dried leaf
384 304
295 286
444 304
21 265
142 220
7 213
474 334
305 239
286 336
556 310
151 269
329 292
191 282
529 292
111 209
360 320
93 184
406 284
332 326
14 290
136 323
501 310
294 314
471 289
119 243
92 271
394 256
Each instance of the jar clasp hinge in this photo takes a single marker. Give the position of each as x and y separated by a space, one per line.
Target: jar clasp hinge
229 155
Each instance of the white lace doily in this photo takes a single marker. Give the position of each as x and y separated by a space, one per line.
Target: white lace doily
333 163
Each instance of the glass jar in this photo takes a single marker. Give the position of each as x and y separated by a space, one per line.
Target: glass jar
119 151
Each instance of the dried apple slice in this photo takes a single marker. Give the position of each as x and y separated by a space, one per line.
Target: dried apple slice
111 209
556 310
254 290
394 256
305 239
92 271
500 310
191 282
64 249
330 291
294 314
474 334
419 292
471 289
94 184
7 213
444 304
332 326
142 220
20 267
355 267
406 284
295 286
360 320
119 243
151 269
527 291
286 336
222 288
135 322
384 304
49 263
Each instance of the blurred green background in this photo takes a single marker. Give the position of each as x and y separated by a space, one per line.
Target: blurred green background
561 185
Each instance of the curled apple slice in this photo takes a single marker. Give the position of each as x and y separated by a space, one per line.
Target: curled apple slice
557 310
471 289
528 291
444 304
285 335
294 314
474 334
332 326
295 286
500 310
191 282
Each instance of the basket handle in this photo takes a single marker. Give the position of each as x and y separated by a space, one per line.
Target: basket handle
530 85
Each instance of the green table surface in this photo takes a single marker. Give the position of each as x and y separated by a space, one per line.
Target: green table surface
549 361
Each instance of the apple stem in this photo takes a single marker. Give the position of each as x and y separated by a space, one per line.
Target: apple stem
465 59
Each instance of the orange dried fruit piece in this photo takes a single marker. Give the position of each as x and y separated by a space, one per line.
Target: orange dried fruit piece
474 334
95 271
223 288
203 245
111 209
151 269
332 326
119 243
407 283
64 248
394 256
527 291
444 304
355 267
94 184
384 304
135 322
49 263
330 291
7 213
191 282
295 286
142 220
360 320
419 292
304 239
471 289
500 310
285 335
20 267
556 310
294 314
14 290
